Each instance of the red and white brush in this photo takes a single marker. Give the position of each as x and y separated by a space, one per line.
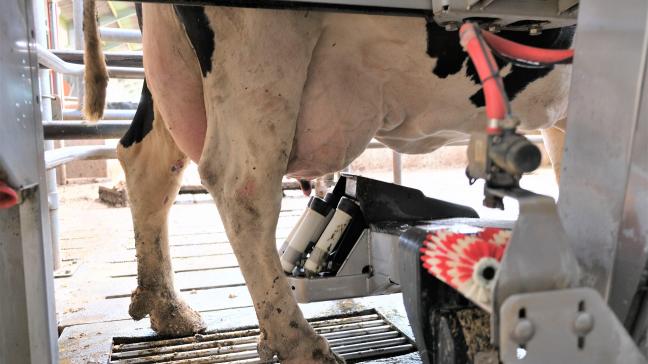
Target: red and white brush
467 262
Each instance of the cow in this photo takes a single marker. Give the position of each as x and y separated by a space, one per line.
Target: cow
253 95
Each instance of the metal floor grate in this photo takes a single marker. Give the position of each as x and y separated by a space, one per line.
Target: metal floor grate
358 336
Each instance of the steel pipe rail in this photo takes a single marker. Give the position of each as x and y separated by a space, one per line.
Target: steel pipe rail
120 59
50 60
61 156
125 72
109 114
120 35
378 145
105 129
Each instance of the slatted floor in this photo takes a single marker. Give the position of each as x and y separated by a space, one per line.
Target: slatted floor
92 304
358 336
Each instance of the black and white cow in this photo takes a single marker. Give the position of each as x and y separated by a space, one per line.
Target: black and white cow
252 95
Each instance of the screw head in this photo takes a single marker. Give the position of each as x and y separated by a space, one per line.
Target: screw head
451 26
584 323
535 29
494 28
523 331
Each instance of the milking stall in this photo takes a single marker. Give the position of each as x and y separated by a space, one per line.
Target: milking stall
380 270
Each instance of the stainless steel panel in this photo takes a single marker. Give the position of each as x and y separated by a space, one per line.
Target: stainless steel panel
538 257
572 326
27 317
610 53
632 249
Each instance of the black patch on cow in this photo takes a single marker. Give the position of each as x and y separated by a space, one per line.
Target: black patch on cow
142 121
445 47
200 34
138 12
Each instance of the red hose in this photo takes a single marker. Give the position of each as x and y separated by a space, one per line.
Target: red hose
522 52
497 106
8 197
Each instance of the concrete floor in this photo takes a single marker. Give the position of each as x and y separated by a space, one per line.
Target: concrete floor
92 304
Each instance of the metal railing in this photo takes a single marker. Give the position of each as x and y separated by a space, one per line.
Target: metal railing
61 156
120 35
52 61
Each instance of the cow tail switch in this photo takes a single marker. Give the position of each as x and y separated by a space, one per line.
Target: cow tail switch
8 196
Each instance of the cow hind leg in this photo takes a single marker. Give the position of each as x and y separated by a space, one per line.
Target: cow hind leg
554 142
253 95
153 166
243 173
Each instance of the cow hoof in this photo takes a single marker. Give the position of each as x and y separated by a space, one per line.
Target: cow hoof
176 319
315 352
316 356
170 315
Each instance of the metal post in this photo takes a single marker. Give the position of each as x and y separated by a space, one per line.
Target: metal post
40 20
397 167
27 311
77 20
57 104
45 78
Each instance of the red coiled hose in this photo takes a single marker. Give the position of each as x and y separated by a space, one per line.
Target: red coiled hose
476 42
497 104
8 196
526 53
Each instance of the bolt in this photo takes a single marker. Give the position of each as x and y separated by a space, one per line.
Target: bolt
583 324
494 28
535 29
523 331
451 26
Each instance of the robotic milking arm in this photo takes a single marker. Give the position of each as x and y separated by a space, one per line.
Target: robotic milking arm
530 281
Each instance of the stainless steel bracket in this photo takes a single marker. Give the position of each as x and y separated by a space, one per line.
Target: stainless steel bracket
538 257
572 326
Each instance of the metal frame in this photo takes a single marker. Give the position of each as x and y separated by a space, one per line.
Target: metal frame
602 206
599 165
501 13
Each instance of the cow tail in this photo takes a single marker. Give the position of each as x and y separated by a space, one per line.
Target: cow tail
96 73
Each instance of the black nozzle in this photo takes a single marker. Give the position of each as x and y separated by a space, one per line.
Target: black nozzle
516 154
